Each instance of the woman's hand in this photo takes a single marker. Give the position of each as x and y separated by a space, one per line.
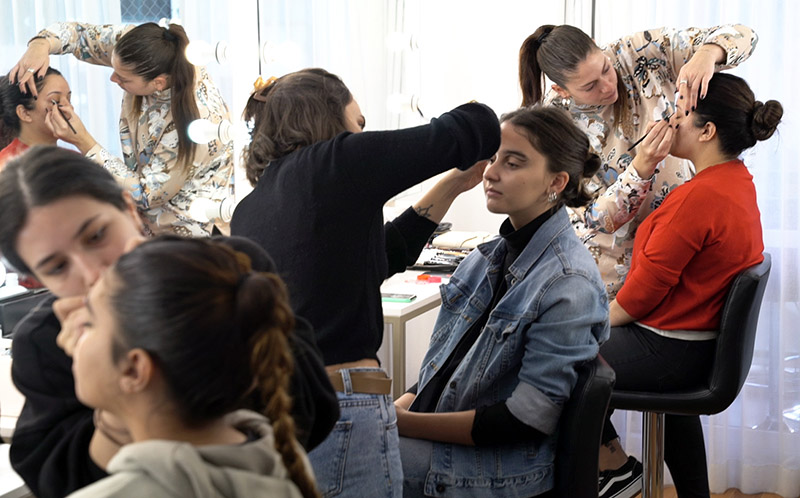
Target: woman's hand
68 126
33 64
696 73
73 315
435 203
465 180
654 148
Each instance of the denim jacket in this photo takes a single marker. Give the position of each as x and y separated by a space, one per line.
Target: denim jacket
553 316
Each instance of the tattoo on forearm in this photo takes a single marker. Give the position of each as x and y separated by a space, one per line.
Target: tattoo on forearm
425 212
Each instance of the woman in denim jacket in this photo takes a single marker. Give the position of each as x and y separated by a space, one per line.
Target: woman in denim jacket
519 314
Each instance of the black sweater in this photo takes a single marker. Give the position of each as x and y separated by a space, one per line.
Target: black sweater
50 446
318 212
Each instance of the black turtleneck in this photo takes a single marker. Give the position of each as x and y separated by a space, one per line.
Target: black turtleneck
493 424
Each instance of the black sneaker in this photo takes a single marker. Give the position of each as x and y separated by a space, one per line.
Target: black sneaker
625 482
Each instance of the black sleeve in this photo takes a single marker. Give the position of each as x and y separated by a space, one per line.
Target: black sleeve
495 425
315 407
413 389
367 169
406 236
50 446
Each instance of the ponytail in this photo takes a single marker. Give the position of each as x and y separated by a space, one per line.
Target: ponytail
531 78
272 365
151 50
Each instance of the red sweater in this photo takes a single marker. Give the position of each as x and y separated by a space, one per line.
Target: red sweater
11 151
687 252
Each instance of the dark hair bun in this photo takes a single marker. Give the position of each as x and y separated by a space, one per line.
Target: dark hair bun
766 117
591 165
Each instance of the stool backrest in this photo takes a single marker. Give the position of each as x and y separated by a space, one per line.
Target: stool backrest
580 428
737 334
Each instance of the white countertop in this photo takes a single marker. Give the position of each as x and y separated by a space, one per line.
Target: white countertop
407 283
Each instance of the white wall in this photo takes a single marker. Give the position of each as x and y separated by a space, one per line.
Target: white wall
468 51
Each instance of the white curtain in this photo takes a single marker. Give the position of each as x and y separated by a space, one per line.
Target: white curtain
755 444
96 100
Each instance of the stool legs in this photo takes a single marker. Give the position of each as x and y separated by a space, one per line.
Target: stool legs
653 455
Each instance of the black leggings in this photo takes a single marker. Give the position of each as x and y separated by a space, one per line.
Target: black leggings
646 361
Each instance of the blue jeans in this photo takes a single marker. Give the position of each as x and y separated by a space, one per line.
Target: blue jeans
361 456
416 455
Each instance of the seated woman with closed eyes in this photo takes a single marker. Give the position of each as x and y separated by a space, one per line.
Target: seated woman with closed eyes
518 316
24 118
666 317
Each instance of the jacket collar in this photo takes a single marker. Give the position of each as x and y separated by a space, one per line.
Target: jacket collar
494 250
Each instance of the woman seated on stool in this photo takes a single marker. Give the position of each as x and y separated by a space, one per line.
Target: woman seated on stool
24 118
179 333
665 318
519 314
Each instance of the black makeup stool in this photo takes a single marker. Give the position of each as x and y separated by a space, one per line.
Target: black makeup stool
581 427
737 333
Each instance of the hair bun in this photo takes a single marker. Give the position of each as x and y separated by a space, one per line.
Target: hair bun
591 165
766 117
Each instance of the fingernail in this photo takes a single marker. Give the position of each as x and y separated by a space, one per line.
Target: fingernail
35 97
687 113
40 78
681 97
677 126
667 118
692 108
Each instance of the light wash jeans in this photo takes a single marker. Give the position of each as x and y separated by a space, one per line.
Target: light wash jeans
416 455
361 456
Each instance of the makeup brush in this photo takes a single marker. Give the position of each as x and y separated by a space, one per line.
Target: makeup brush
75 132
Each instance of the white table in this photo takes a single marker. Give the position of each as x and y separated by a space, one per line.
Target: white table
396 315
11 485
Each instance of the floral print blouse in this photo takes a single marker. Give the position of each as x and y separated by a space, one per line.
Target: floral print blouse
162 189
648 64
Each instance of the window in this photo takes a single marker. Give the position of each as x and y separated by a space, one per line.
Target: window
139 11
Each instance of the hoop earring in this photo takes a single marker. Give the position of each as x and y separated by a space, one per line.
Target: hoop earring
552 196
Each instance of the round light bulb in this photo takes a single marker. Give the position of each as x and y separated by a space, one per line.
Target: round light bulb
200 52
202 131
204 209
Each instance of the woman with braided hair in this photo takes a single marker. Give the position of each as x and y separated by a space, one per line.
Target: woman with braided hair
168 327
65 220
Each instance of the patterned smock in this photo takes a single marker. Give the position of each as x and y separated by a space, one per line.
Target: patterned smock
648 64
149 169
